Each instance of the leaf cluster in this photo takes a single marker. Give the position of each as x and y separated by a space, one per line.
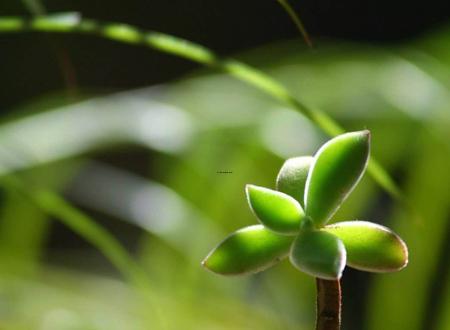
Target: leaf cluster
294 219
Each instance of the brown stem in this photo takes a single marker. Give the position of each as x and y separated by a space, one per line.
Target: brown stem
328 305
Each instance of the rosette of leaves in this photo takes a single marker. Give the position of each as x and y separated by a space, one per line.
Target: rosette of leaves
293 220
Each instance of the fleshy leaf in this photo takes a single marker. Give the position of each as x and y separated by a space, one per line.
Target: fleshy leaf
275 210
248 250
319 254
292 177
371 247
337 168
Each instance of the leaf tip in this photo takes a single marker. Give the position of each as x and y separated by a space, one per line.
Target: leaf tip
249 187
370 246
405 251
366 132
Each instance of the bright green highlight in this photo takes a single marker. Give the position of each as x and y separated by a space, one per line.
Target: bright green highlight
63 22
275 210
11 23
319 254
292 177
180 47
338 166
248 250
371 247
122 32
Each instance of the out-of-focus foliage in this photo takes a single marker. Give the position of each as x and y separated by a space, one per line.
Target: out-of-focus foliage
207 123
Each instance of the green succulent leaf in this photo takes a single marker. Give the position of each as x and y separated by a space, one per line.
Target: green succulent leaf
337 168
371 247
292 177
319 254
275 210
248 250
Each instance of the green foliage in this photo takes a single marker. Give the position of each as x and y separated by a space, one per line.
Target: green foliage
71 22
403 104
338 166
292 177
371 247
319 254
248 250
275 210
336 169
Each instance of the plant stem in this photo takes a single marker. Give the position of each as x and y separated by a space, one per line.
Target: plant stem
329 297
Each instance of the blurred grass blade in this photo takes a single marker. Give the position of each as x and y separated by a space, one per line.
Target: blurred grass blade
197 53
92 124
54 205
380 175
23 225
151 206
415 299
297 21
35 7
56 22
23 228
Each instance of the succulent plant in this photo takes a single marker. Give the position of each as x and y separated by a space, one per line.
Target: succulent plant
293 220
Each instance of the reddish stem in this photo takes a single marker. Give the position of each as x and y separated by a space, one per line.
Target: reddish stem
328 305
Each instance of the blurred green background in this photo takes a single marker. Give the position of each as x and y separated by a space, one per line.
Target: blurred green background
135 139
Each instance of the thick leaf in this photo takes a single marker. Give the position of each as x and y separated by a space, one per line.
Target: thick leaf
371 247
248 250
337 168
319 254
292 177
275 210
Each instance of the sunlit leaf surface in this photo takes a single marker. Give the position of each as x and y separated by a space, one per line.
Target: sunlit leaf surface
371 247
335 171
319 254
248 250
292 177
277 211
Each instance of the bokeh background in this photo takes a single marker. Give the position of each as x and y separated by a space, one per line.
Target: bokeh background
134 138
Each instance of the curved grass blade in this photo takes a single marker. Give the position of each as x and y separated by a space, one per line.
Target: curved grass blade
54 205
296 20
35 7
200 54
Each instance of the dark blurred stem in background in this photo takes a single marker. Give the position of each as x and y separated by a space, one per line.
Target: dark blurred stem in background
328 315
37 8
297 21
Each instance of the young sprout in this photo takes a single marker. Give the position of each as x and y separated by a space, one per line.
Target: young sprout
294 223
